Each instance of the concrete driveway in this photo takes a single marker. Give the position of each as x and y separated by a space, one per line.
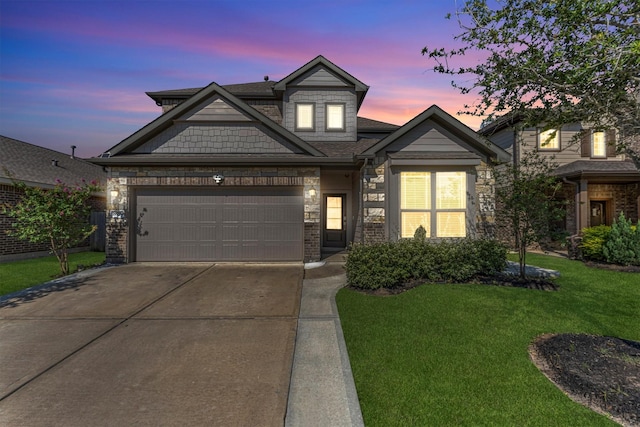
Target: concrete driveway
152 344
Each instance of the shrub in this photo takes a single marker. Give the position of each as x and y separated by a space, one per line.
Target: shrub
593 239
623 243
391 264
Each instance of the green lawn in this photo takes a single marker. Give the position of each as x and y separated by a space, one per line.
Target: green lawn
17 275
451 355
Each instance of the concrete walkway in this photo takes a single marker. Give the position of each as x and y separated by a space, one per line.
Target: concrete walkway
322 391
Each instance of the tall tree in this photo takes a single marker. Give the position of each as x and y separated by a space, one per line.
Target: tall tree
551 62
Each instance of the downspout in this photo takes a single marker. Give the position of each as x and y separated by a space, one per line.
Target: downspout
360 202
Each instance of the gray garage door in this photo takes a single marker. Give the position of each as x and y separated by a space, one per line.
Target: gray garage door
220 224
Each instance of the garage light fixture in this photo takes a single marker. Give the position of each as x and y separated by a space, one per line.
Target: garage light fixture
312 193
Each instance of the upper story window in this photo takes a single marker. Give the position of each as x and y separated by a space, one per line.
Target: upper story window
335 117
549 140
435 200
598 144
305 117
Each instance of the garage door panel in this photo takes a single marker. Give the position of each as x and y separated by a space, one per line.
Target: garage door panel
230 224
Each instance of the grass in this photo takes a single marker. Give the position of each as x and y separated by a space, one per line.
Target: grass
18 275
458 354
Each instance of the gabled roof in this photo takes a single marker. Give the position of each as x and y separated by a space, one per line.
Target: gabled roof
241 90
167 119
452 125
39 166
361 88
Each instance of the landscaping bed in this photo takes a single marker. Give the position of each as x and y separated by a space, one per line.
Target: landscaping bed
602 373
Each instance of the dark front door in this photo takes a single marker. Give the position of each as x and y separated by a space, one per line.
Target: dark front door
335 221
598 212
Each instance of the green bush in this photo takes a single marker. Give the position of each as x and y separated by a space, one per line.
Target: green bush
593 239
622 246
391 264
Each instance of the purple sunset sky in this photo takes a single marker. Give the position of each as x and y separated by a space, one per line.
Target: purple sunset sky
75 72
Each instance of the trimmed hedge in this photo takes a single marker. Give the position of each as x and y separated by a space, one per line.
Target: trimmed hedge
392 264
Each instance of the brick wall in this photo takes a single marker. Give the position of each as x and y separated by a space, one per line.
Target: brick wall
374 232
311 241
623 196
9 245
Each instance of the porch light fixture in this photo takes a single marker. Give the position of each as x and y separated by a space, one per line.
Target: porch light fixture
312 193
114 194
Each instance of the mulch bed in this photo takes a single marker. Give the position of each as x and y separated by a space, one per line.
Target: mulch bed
602 373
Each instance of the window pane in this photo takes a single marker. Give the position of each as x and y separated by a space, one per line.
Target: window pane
451 190
599 148
412 220
415 191
334 213
304 116
549 139
451 224
335 116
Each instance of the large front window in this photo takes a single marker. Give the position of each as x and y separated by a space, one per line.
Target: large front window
435 200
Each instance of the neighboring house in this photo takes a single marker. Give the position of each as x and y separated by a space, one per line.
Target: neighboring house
38 167
599 184
286 170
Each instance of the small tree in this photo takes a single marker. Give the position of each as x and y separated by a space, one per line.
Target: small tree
58 216
527 204
623 243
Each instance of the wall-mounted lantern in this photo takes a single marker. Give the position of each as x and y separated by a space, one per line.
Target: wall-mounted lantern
313 193
218 178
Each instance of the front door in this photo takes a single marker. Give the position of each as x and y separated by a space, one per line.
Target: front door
598 213
335 221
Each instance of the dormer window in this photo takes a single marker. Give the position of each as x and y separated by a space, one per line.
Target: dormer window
335 117
549 140
305 117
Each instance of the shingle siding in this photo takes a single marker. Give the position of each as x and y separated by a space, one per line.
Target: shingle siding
320 97
216 139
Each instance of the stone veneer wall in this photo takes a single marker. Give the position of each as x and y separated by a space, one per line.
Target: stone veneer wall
120 178
485 203
373 199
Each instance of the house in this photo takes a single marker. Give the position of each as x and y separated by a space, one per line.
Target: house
286 171
39 167
598 182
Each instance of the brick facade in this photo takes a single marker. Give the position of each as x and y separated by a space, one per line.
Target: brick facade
9 245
